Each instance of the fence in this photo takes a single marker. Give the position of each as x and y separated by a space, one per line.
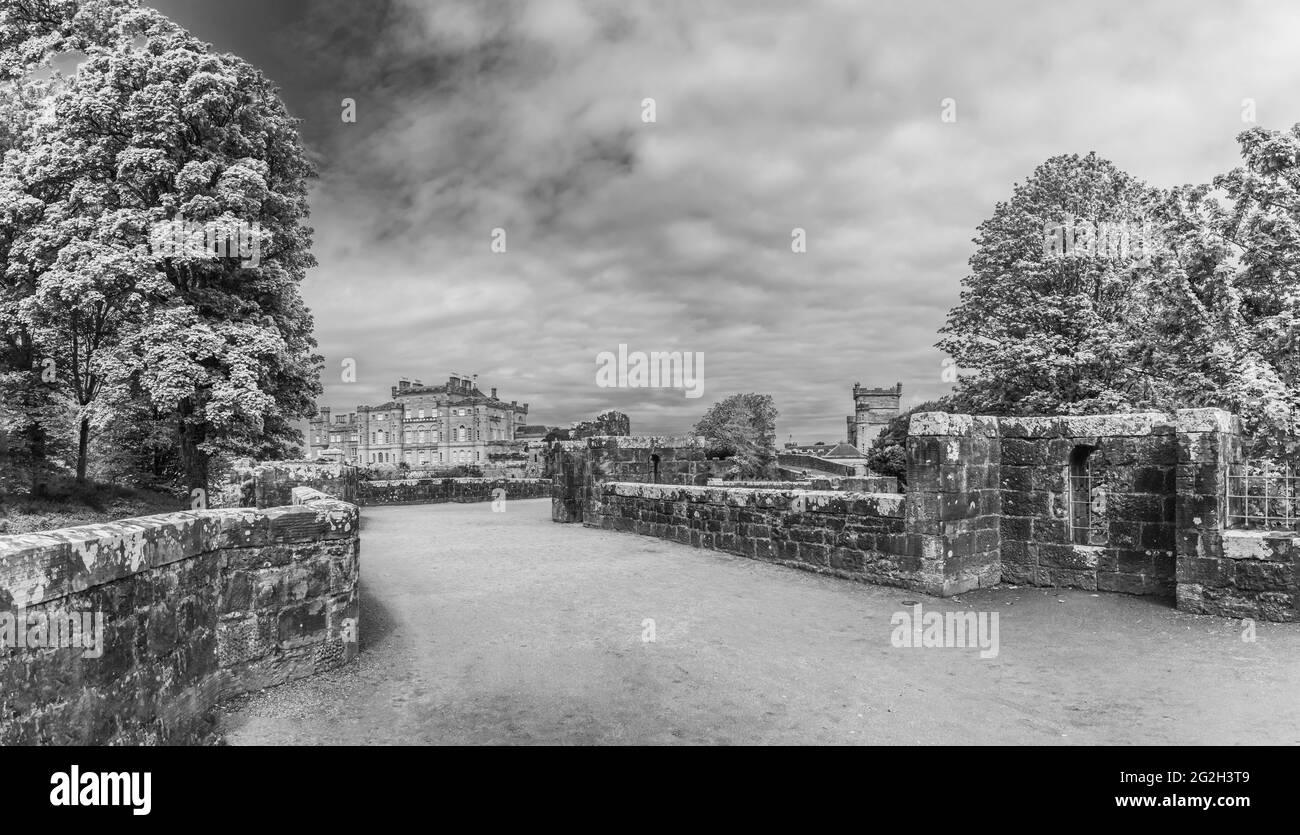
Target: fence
1263 495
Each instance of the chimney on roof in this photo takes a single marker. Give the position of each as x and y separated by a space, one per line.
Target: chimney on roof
474 385
494 392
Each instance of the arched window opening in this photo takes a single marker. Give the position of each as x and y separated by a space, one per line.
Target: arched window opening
654 467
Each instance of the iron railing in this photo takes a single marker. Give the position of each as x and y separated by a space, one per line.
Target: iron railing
1263 495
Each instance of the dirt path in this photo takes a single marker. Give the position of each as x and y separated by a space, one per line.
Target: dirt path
482 627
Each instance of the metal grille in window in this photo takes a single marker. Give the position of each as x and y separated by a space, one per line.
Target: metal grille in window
1081 498
1263 495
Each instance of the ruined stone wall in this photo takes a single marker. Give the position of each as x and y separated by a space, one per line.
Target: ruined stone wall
1251 574
195 607
953 502
853 535
1230 573
271 484
797 461
578 467
1130 543
988 501
428 491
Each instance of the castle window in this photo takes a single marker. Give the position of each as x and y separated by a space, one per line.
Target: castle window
421 436
654 464
420 414
1081 495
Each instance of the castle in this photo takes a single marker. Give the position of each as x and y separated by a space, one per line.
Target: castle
450 424
872 409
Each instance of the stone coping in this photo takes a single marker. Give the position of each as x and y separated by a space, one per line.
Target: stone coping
1135 424
1259 545
410 482
814 501
635 442
44 566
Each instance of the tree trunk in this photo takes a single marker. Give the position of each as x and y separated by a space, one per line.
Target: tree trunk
194 462
36 446
83 444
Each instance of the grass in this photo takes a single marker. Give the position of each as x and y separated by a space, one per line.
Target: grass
66 504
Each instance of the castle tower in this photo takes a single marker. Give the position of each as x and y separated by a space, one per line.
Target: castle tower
872 409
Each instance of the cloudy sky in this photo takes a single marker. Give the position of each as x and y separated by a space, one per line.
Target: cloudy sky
676 234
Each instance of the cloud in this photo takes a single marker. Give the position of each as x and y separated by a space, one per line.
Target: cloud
676 235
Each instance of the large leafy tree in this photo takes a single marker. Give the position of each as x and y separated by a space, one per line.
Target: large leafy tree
1226 305
155 127
1207 317
1041 331
743 426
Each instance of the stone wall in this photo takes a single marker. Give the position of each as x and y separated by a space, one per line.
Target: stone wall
867 484
194 607
428 491
853 535
795 461
953 502
577 467
271 484
1254 574
1231 573
1130 542
988 501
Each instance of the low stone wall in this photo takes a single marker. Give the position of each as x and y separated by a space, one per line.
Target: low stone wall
192 607
860 484
811 462
423 491
577 467
1247 574
1131 503
854 535
806 484
1130 545
271 484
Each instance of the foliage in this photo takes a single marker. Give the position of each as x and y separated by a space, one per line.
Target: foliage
1209 317
153 127
743 426
888 453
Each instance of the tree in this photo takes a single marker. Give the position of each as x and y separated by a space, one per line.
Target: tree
152 129
1231 297
1039 331
1207 317
744 427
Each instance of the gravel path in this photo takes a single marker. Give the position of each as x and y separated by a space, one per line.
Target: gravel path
481 627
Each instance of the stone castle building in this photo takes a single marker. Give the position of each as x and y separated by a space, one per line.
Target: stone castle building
423 426
872 409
